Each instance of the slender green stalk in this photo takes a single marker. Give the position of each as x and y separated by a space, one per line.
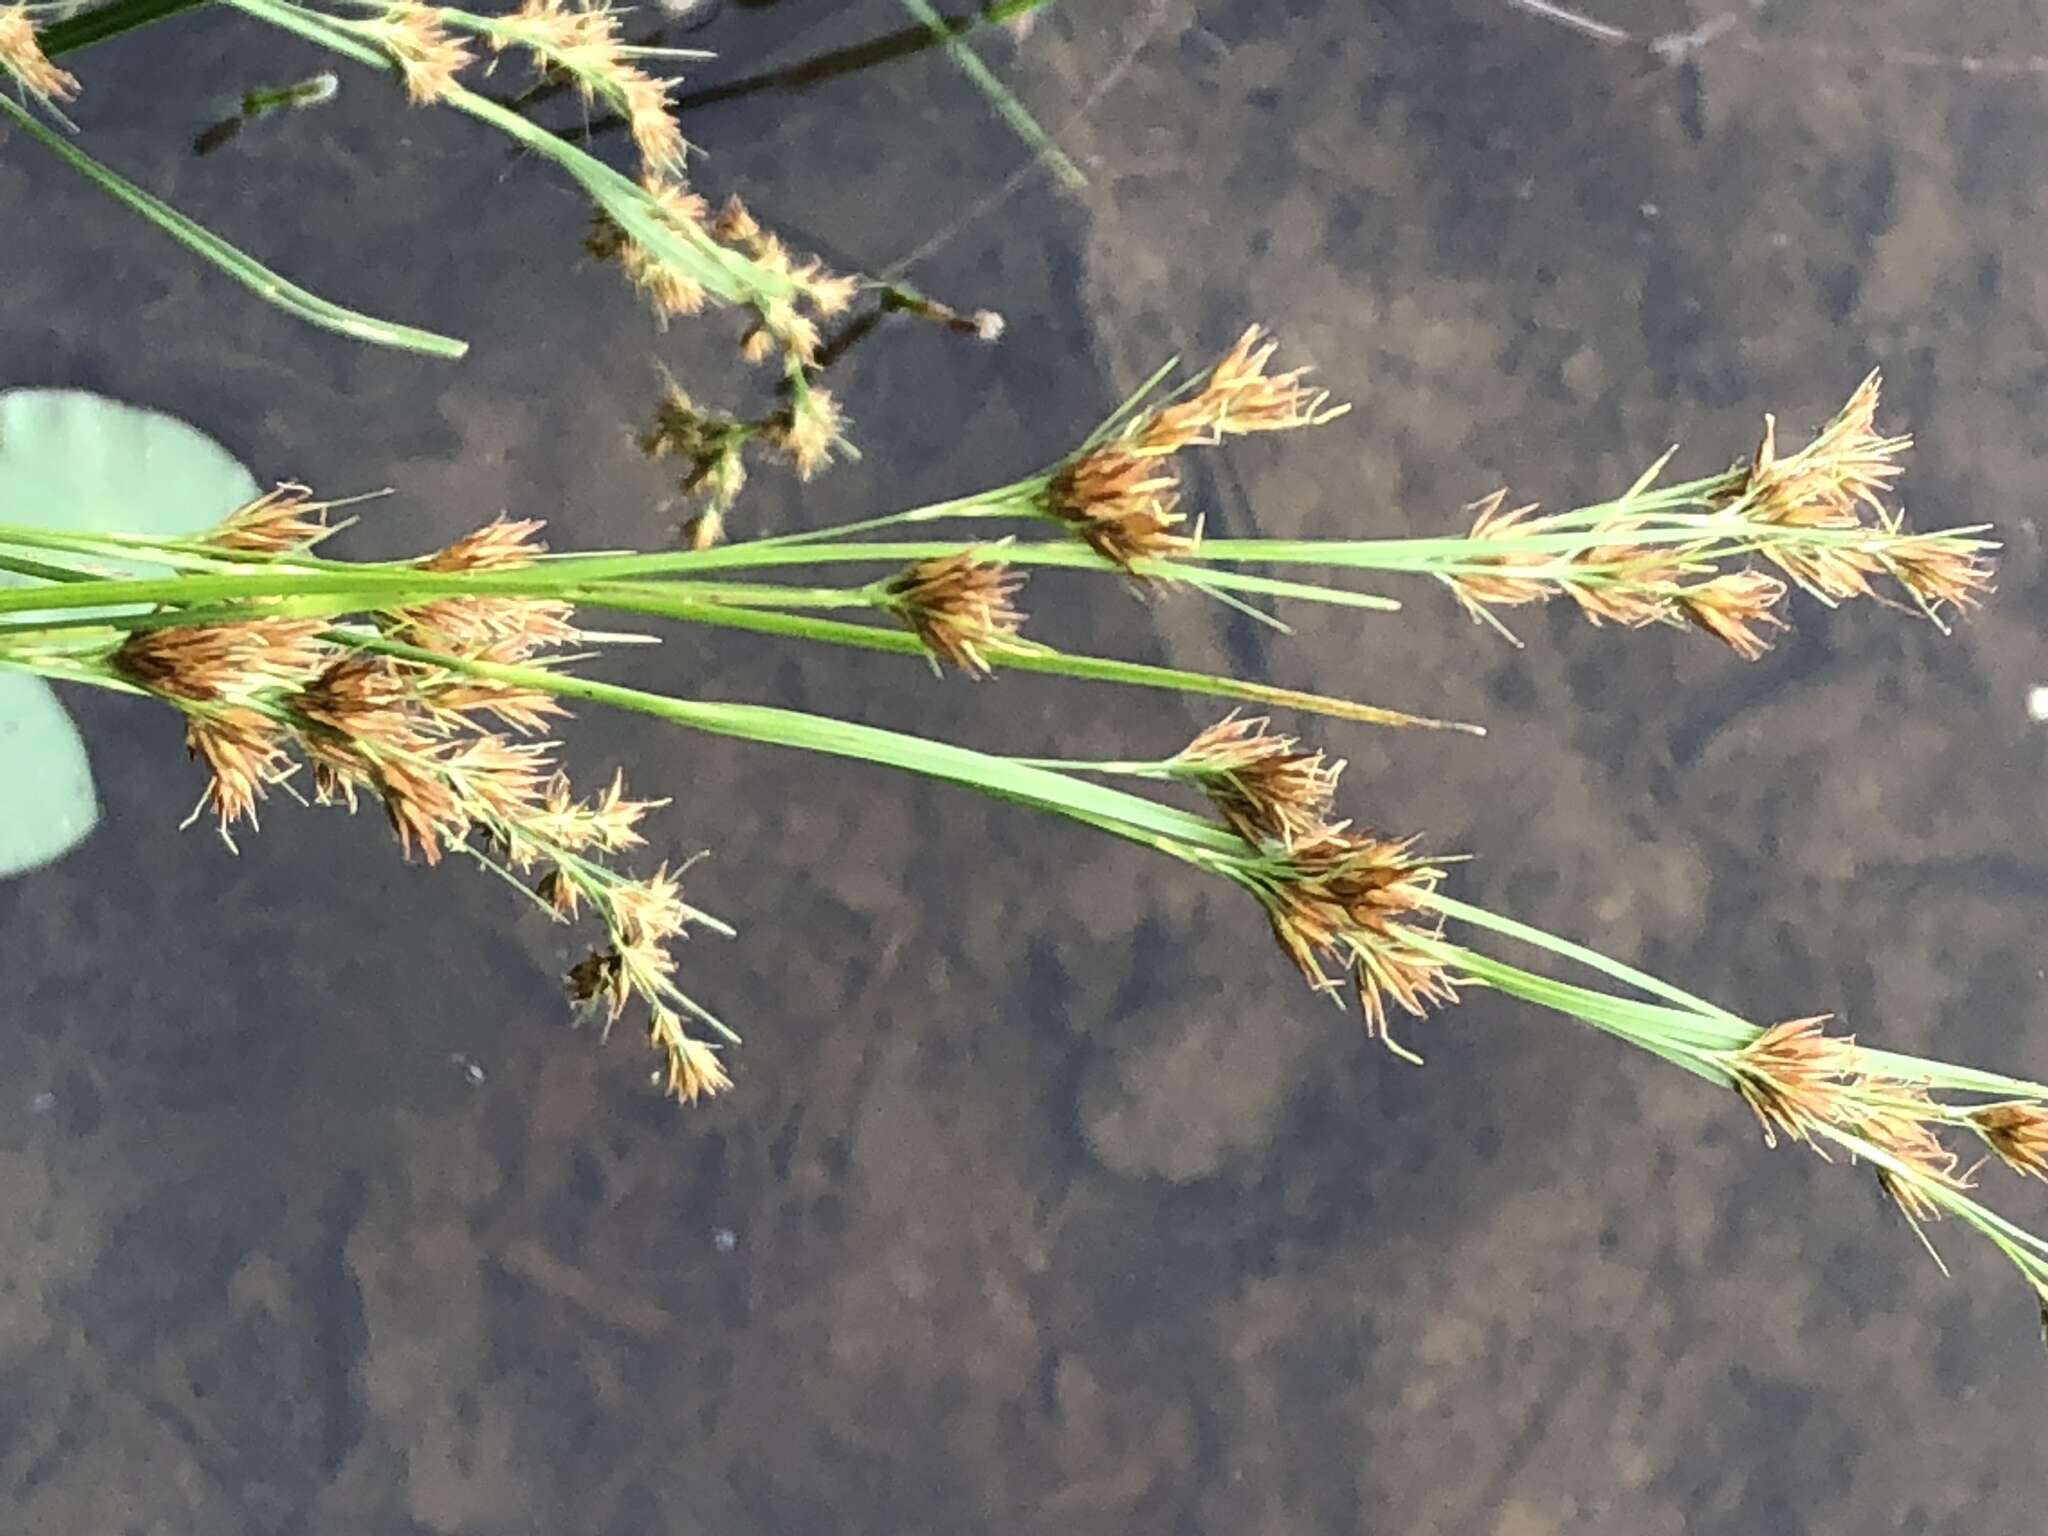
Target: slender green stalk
106 21
1012 111
726 274
1129 816
1018 658
243 268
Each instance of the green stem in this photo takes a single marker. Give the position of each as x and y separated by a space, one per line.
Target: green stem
1610 1015
1732 1031
1128 816
105 21
1100 669
240 266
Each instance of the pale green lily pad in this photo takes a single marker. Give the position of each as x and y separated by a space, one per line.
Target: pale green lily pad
74 461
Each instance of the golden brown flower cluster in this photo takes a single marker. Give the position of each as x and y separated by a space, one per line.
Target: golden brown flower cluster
786 327
581 43
1122 496
1616 581
428 55
265 694
1335 897
711 446
670 290
1828 486
2017 1133
22 58
1263 785
1805 514
1811 1086
959 606
285 520
1355 899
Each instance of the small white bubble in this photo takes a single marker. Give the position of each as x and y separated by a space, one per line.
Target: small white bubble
43 1102
2037 703
725 1239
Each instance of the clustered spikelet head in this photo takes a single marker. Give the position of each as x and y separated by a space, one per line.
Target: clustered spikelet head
2018 1133
1122 498
1791 1076
1340 902
959 606
670 290
1847 465
1611 580
486 627
1818 515
428 56
282 521
582 43
1354 901
263 695
22 58
809 430
711 446
642 919
1736 609
1263 785
1814 1087
793 295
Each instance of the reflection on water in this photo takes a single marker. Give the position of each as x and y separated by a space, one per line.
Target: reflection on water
1046 1201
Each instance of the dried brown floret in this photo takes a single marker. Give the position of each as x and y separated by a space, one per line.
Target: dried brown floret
960 607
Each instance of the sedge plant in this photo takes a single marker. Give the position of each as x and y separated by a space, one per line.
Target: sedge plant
425 686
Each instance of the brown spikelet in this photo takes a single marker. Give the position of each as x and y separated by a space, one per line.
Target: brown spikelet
503 544
428 56
1792 1076
598 981
559 891
509 629
693 1070
960 607
809 431
361 699
2018 1133
245 755
1939 569
22 57
1353 899
1260 783
1847 464
644 100
283 520
203 662
1237 397
455 698
421 804
1735 609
